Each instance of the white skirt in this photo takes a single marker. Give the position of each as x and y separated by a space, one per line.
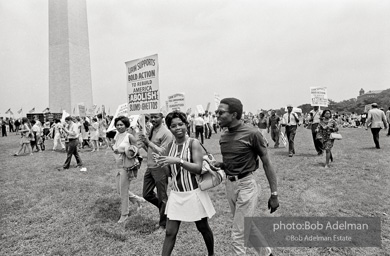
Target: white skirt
189 206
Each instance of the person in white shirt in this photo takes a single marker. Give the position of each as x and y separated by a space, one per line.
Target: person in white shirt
376 120
207 128
73 137
290 121
57 130
199 124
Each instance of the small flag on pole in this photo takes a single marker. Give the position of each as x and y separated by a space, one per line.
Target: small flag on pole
32 110
20 110
45 110
8 111
74 110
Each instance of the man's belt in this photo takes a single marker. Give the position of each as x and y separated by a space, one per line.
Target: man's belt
238 177
72 138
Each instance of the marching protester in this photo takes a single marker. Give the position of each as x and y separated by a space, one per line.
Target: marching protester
327 126
125 150
273 123
199 124
73 136
94 134
375 120
102 130
57 130
207 127
186 201
17 125
262 124
85 132
290 121
215 123
314 120
156 176
3 124
388 121
37 140
26 133
241 145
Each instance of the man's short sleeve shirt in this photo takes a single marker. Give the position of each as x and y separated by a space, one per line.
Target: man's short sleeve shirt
240 148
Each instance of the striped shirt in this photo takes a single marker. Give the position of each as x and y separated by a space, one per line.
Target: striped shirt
182 180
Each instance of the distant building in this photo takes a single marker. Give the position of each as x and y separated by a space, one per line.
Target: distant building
369 94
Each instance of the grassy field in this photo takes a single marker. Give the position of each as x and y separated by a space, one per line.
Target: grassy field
46 212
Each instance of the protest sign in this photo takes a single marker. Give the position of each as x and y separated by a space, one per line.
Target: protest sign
284 139
208 107
82 110
142 85
319 96
200 109
176 102
367 108
122 110
64 115
217 100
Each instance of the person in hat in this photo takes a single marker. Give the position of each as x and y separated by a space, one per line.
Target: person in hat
241 146
290 120
375 120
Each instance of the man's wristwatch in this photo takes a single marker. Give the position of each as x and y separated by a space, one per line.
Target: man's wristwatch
274 193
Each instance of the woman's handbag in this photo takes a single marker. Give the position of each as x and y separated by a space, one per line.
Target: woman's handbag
335 136
208 177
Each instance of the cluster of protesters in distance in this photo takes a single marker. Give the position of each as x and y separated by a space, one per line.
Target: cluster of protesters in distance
174 152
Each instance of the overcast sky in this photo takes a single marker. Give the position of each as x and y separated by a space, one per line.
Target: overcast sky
266 53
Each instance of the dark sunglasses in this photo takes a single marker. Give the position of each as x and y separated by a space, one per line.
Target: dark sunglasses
220 112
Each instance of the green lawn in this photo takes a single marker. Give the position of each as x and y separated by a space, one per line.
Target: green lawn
46 212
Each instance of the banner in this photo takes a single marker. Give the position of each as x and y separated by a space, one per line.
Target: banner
319 96
217 100
200 109
142 85
176 102
82 110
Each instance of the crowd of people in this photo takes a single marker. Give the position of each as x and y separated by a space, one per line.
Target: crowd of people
173 153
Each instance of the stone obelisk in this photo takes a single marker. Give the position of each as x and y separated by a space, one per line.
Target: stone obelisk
69 60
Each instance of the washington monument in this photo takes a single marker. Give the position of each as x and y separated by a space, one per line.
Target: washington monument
69 60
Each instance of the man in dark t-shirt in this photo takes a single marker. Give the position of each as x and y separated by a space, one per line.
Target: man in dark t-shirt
241 146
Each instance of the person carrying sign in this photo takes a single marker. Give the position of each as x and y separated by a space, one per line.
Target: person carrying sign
290 121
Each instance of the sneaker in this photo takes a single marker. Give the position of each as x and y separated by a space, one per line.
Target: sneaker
290 155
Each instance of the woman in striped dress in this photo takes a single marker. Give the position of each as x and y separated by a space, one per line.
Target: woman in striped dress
186 201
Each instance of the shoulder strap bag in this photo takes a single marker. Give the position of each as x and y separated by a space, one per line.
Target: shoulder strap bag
208 178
